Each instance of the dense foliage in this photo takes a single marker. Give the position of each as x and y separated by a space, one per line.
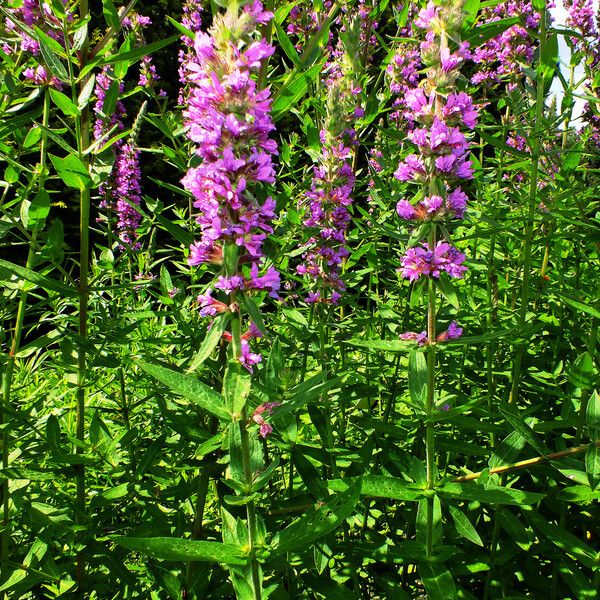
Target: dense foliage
299 300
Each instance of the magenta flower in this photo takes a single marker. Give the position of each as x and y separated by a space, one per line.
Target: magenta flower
247 358
420 260
420 338
209 306
265 428
40 77
427 15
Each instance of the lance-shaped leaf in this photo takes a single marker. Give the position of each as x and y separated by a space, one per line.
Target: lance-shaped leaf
236 387
7 268
380 486
565 540
210 341
438 581
592 416
463 526
190 388
317 523
72 171
491 494
167 548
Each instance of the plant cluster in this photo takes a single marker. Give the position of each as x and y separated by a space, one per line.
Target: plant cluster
309 312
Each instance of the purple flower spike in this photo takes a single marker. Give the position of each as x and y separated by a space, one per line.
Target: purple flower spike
228 117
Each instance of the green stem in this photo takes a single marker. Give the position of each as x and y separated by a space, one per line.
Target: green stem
532 202
15 344
323 340
83 142
236 335
429 408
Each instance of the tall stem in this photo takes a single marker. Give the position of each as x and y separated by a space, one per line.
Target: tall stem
247 467
532 201
83 143
429 408
14 347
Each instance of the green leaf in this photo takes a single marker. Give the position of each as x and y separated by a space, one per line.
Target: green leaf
516 530
63 102
210 341
592 416
274 369
580 306
254 313
581 374
286 45
72 171
190 388
481 34
34 213
592 465
80 36
49 42
385 345
417 377
565 540
548 59
578 493
380 486
38 280
11 174
580 582
508 450
236 387
149 456
571 159
183 30
500 144
317 523
438 581
86 92
294 89
488 494
111 16
167 548
327 588
463 526
448 291
52 61
132 56
515 420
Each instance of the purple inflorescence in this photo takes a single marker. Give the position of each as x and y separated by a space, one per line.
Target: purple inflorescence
34 13
121 192
438 118
326 204
228 118
502 58
581 18
192 20
327 213
128 194
422 260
